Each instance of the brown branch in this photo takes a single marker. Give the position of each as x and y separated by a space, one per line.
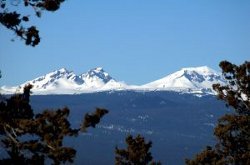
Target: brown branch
10 136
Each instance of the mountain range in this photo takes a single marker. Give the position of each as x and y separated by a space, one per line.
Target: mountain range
196 80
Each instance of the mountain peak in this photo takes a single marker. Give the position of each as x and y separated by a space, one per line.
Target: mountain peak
97 73
200 69
100 69
63 70
59 72
62 81
195 78
97 70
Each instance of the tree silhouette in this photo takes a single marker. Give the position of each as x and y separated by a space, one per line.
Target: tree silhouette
14 20
137 152
30 138
233 130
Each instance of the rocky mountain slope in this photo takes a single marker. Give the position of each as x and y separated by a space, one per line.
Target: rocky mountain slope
197 80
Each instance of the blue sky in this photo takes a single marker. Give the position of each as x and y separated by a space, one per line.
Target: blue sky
136 41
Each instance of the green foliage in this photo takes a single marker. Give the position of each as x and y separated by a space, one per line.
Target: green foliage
233 130
30 138
14 20
137 152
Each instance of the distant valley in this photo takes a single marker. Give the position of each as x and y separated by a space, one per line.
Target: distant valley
179 125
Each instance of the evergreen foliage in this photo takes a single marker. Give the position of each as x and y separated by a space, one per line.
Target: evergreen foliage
30 138
137 152
233 130
14 20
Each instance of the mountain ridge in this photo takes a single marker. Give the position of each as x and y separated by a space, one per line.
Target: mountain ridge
197 80
194 77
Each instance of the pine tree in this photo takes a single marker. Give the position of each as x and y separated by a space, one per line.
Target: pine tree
137 152
233 130
15 21
30 138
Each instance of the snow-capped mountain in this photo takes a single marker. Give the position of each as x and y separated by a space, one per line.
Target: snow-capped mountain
192 80
63 81
197 80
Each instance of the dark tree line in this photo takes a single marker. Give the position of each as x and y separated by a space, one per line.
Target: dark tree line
30 138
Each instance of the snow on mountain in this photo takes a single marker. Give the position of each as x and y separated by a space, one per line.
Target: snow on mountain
96 78
197 80
63 81
191 80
